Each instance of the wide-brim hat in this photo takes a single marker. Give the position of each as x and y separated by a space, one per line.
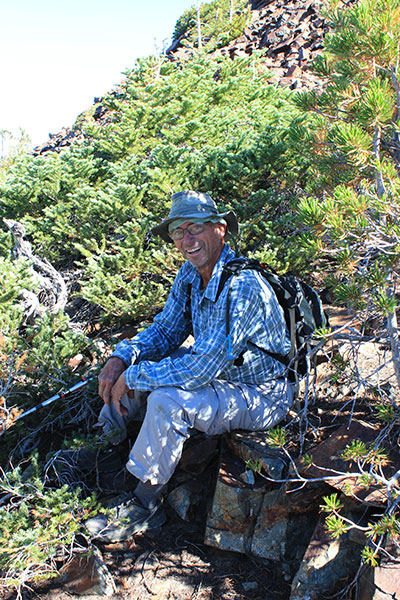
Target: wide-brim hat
194 205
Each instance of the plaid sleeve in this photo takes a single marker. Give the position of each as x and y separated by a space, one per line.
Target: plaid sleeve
168 331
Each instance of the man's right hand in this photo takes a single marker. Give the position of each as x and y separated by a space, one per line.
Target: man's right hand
109 374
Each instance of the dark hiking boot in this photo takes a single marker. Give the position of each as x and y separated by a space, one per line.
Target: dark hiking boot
101 467
126 517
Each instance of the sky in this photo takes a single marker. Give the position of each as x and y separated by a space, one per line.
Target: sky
56 56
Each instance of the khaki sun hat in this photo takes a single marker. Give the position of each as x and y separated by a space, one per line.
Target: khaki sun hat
194 205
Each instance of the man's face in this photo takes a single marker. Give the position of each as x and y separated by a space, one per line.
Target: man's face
203 249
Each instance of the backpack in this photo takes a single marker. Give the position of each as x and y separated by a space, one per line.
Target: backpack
302 309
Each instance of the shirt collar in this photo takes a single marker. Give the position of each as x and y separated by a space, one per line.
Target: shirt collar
212 288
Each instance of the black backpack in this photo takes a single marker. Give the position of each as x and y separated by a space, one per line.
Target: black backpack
302 308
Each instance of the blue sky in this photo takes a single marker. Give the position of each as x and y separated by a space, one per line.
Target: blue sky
58 55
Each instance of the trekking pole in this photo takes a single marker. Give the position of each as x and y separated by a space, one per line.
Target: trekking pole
5 423
59 396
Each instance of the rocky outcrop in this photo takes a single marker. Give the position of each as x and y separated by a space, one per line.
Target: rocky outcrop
278 518
60 141
289 34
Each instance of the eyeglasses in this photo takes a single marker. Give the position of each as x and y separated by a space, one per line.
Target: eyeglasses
193 229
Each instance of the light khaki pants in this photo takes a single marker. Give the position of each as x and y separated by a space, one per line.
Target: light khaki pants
172 412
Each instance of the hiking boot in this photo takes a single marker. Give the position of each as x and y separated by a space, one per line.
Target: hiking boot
101 467
127 517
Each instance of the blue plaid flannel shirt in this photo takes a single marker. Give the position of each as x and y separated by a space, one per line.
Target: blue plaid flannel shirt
255 318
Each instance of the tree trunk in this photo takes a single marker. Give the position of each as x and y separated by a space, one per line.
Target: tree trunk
396 118
231 11
199 43
393 331
380 185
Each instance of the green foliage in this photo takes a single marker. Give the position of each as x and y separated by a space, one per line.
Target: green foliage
370 556
386 413
11 148
276 437
217 28
31 355
14 276
132 291
254 464
39 526
359 104
335 526
213 126
331 503
307 460
388 523
52 351
375 532
360 452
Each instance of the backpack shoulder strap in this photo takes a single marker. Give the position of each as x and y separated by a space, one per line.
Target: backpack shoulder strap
187 311
230 270
235 267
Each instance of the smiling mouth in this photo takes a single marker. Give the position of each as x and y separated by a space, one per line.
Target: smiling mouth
193 250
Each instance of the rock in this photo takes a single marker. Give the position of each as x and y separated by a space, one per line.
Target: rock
383 582
87 575
326 564
275 524
328 461
196 457
285 522
251 445
248 477
270 533
293 71
374 365
249 586
235 507
75 361
184 497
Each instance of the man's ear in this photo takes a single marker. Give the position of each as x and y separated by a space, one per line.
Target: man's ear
221 228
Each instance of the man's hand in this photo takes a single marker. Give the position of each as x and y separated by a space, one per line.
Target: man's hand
118 391
108 376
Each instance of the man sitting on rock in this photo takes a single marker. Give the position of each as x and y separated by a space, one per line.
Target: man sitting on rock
200 387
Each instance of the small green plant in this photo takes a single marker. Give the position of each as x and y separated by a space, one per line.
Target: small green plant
370 556
340 362
322 332
39 526
336 526
307 460
360 452
332 504
276 437
385 413
357 449
334 523
254 464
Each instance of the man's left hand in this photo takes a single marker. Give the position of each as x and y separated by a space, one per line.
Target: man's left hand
119 390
